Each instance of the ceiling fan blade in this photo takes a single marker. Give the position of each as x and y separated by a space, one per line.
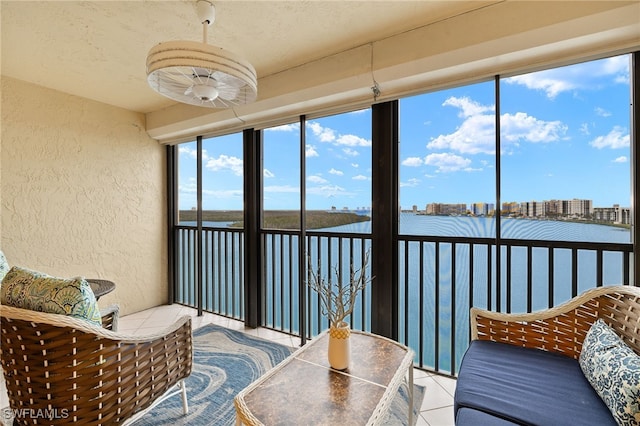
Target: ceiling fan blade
227 79
228 92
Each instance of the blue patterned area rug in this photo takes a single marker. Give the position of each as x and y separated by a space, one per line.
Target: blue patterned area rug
227 361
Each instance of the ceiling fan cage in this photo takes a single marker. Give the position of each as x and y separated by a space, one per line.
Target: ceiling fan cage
201 74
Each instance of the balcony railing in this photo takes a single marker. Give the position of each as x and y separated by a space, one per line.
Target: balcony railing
440 278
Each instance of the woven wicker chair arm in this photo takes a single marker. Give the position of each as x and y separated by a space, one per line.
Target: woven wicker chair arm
85 326
562 329
110 316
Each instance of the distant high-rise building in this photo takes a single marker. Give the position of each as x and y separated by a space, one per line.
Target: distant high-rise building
615 214
446 209
580 208
510 208
482 209
532 208
554 208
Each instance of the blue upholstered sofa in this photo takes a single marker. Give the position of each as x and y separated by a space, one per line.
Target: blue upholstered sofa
576 364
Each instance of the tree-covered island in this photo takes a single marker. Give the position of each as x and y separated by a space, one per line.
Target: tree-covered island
278 219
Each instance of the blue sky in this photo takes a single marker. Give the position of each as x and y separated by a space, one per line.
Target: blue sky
565 134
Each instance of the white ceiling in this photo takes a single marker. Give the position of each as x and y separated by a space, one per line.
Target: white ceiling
97 49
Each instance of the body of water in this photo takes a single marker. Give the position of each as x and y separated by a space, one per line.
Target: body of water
421 306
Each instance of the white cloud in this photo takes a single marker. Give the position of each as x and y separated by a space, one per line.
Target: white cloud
360 177
223 194
413 182
317 179
188 151
225 162
476 134
468 107
284 128
602 112
282 189
191 152
584 129
547 81
621 159
522 127
588 75
310 151
352 140
324 134
355 165
616 138
336 172
446 162
412 162
268 173
618 67
189 188
350 152
329 191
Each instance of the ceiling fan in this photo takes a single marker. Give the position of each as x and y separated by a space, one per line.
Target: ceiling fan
201 74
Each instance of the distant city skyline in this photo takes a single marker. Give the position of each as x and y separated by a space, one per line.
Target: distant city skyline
564 134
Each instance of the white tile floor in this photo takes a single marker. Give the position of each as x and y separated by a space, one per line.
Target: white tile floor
437 407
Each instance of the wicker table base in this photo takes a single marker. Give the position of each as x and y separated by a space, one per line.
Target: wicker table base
303 389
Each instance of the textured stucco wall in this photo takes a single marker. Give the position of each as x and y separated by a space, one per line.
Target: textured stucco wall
83 193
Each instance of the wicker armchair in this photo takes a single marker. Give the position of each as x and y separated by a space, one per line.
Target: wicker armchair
562 329
61 370
110 316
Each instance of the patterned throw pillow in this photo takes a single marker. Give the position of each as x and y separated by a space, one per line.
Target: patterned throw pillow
26 289
4 266
613 369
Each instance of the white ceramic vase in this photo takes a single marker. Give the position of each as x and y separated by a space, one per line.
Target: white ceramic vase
339 348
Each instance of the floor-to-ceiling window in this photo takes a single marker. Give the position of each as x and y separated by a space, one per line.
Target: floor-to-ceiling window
186 207
565 175
447 189
281 200
338 207
222 222
558 171
325 167
210 213
514 195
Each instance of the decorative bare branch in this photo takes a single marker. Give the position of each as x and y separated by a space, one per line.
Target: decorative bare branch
338 301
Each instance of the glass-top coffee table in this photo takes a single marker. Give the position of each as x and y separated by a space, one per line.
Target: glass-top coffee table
303 389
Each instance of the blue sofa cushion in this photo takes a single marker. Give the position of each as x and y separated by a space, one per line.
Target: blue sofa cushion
470 417
527 386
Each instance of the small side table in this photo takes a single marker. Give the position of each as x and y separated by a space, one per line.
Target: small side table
101 287
303 389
